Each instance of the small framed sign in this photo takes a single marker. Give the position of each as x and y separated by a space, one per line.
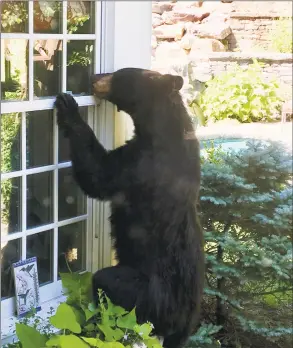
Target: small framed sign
27 290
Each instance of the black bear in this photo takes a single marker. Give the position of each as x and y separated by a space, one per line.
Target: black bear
152 183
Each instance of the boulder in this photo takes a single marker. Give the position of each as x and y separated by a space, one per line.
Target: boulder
207 46
187 4
169 51
185 15
216 17
174 31
161 7
213 30
187 41
156 20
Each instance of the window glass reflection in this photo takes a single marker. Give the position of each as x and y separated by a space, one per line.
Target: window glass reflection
10 142
48 17
47 67
40 245
80 66
10 206
81 17
10 253
39 142
72 247
14 16
39 199
14 69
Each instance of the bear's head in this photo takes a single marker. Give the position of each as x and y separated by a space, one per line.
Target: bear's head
134 89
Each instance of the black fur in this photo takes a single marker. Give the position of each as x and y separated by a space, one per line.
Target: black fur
152 182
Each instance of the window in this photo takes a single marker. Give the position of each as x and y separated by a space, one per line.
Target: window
43 212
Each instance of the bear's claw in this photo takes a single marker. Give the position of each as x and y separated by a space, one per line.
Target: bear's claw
67 111
65 102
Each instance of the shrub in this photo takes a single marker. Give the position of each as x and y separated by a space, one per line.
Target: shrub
281 35
241 94
246 214
82 324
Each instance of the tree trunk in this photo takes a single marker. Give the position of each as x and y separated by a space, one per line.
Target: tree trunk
220 309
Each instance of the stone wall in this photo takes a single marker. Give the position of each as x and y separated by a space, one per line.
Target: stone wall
274 65
251 31
209 36
184 27
205 66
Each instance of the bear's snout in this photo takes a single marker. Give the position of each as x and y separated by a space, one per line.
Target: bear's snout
102 84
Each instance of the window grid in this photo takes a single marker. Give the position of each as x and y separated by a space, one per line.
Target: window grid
53 289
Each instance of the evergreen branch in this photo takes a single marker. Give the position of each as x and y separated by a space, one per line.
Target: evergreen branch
282 290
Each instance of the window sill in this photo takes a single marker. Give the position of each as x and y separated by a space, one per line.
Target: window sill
8 324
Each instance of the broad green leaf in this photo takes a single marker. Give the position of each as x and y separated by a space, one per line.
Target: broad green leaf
54 341
127 321
113 309
106 319
90 311
30 337
92 307
143 330
66 341
95 342
152 343
78 287
112 345
65 319
111 334
79 315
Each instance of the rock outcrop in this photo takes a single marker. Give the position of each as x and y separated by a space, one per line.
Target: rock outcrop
184 27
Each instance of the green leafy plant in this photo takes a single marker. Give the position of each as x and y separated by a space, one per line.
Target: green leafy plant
81 57
76 21
246 214
241 94
10 127
14 15
79 323
281 35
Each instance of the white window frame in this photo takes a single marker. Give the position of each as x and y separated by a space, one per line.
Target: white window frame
123 39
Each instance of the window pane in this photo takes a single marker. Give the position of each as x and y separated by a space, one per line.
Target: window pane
39 199
10 142
81 17
48 17
71 200
47 67
63 146
72 247
14 16
41 246
14 69
39 138
10 206
10 253
80 66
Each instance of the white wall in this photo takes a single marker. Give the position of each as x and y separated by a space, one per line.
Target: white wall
133 28
132 48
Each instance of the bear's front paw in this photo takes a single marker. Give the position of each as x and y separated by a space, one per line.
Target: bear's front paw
67 110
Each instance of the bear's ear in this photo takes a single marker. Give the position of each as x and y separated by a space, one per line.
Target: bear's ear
172 82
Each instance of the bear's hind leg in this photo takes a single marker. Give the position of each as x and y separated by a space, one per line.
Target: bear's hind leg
176 340
124 285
